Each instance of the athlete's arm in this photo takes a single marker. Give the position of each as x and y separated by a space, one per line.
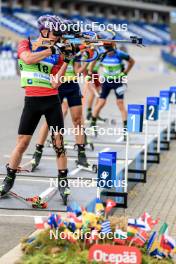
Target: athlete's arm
92 65
28 57
78 68
130 65
130 61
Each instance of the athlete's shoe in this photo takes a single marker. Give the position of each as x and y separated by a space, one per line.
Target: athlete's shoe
82 159
8 182
89 116
37 156
63 185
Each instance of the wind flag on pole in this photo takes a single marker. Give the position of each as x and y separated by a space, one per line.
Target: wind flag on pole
109 205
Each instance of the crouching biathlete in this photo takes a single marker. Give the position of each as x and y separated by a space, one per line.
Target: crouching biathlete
41 98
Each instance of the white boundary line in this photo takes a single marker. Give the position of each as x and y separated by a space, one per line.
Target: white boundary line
23 215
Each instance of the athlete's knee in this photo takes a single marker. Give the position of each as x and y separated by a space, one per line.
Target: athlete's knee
58 145
23 143
101 102
77 121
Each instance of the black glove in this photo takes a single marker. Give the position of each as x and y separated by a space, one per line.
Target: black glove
56 48
68 52
67 60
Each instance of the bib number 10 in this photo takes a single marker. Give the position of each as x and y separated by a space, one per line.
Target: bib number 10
42 68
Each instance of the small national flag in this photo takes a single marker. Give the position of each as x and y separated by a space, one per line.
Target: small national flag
151 241
163 229
53 220
74 206
131 231
120 236
68 235
106 227
109 205
74 218
157 254
39 222
167 243
137 223
99 208
140 238
149 222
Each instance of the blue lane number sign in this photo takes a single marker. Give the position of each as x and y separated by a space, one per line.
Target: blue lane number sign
164 100
152 108
135 118
173 95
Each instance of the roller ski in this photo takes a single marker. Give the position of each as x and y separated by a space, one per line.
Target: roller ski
102 120
63 186
89 167
36 157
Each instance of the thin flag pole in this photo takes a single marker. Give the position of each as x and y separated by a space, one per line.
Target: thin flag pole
159 133
146 145
169 124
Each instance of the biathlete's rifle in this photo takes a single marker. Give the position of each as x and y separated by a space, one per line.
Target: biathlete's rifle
84 44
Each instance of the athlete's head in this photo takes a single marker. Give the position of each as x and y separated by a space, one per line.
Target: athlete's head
50 27
110 48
